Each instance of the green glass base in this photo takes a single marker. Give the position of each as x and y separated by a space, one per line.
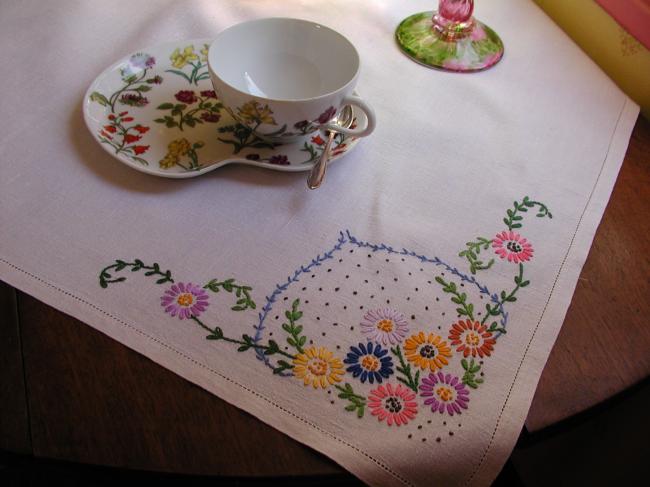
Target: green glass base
476 50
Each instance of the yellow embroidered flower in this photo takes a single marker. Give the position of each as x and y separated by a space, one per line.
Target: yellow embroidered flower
427 351
175 150
204 53
180 59
318 367
255 113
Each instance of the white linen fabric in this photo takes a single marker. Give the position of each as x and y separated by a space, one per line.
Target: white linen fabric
368 258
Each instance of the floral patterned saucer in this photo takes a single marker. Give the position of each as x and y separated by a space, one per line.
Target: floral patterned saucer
156 111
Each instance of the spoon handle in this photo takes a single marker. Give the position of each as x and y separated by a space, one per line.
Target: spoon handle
317 173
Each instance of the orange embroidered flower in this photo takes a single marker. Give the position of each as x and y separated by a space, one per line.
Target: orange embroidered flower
471 338
427 351
110 128
318 367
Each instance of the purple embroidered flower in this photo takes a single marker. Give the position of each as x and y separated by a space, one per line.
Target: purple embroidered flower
137 63
384 325
186 96
133 100
208 94
184 300
327 115
369 361
279 160
444 393
142 60
210 117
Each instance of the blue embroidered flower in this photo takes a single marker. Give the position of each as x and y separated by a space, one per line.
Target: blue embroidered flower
369 361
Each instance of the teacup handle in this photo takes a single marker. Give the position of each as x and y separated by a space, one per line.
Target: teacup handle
356 132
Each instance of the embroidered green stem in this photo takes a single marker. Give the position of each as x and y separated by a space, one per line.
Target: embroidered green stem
513 220
105 278
294 339
505 298
405 369
246 342
471 369
471 254
244 300
357 402
465 308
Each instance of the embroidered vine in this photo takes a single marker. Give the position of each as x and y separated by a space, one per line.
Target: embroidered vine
397 367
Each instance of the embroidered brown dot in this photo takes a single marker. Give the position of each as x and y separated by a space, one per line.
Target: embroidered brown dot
387 260
382 288
335 324
320 288
277 317
354 293
338 347
410 436
306 301
369 256
424 439
416 289
372 296
426 308
347 277
403 260
444 423
318 318
395 279
330 270
408 298
451 433
340 260
323 333
345 306
412 317
327 304
388 301
286 297
419 426
352 328
304 288
271 334
358 265
311 342
438 439
366 281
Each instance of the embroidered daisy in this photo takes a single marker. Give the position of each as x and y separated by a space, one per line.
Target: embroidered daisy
444 393
395 404
318 367
370 362
471 338
427 351
385 325
509 245
184 300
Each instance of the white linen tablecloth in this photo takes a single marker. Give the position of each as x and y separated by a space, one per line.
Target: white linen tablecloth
368 258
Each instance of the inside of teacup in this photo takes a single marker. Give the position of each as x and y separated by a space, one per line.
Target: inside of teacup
284 59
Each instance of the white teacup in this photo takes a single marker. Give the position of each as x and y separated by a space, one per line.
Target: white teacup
286 78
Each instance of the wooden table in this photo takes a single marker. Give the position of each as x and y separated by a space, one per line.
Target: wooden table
69 392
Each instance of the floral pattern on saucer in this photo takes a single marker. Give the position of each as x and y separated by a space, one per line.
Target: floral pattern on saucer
157 112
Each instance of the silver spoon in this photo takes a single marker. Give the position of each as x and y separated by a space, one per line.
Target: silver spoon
317 174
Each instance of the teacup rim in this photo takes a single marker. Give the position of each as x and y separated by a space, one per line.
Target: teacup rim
286 100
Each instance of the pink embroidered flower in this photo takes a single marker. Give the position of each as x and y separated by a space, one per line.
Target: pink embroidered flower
395 404
444 393
384 325
509 245
184 300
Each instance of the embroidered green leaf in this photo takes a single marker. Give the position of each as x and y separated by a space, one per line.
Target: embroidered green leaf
281 366
465 308
99 98
165 106
404 368
495 328
473 250
294 330
106 278
241 291
513 218
357 402
471 369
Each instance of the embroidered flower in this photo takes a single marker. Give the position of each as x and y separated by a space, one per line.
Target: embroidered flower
134 100
140 149
427 351
509 245
395 404
186 96
175 150
141 129
137 63
318 367
280 160
208 94
327 115
384 325
210 117
471 338
370 361
318 140
180 59
184 300
110 128
444 393
204 53
130 138
254 112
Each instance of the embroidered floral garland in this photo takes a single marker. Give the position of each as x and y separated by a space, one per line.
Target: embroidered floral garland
417 360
